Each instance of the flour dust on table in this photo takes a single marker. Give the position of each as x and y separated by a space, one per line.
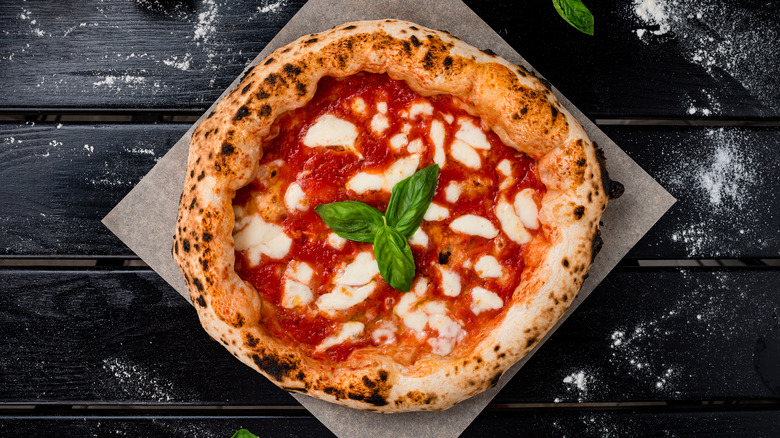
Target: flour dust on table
717 37
722 178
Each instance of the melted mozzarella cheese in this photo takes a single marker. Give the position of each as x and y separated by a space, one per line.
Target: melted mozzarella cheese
379 123
383 336
510 223
453 191
419 108
449 334
419 238
295 198
464 153
488 267
471 134
398 141
347 331
436 134
414 146
299 271
336 241
295 294
450 282
448 118
343 297
483 300
407 311
401 169
362 270
260 237
359 106
329 130
505 168
436 212
526 209
475 226
381 107
363 182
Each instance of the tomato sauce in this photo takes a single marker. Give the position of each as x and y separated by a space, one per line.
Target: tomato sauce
323 172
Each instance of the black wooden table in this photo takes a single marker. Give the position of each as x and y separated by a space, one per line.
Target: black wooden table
681 339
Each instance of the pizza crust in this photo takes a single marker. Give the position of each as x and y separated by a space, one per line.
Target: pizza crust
224 154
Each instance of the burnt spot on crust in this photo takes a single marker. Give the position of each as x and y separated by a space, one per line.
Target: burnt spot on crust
565 262
420 398
578 212
201 301
383 375
211 114
495 379
272 79
250 341
447 62
265 111
291 70
192 205
201 175
532 340
262 94
368 382
300 88
554 111
415 42
524 110
197 283
488 52
597 244
207 237
242 112
246 88
185 243
227 149
413 28
275 366
350 27
496 348
515 116
613 189
310 41
204 263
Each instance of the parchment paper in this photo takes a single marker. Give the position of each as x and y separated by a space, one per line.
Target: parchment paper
146 218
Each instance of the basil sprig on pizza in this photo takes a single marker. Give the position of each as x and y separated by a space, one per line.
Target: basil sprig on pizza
409 200
491 192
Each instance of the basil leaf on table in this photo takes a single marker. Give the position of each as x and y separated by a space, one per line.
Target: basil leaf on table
351 220
394 258
410 200
576 14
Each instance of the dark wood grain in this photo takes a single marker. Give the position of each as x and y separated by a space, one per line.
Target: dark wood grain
519 423
181 55
89 168
103 337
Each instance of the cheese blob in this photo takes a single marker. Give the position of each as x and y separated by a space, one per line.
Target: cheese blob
475 226
330 130
258 237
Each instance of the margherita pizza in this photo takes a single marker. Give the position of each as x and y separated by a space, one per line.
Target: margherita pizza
499 250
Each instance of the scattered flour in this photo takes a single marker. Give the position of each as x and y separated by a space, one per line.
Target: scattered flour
137 382
729 41
719 178
183 64
204 27
271 6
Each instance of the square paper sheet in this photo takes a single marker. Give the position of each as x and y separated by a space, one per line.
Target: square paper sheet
153 203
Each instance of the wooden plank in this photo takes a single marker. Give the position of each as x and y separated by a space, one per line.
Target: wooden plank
180 56
725 181
643 335
519 423
58 181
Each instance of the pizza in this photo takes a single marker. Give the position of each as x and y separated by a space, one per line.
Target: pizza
349 115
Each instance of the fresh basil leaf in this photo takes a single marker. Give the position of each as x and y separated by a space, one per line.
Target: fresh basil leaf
243 433
351 220
394 257
576 14
410 199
